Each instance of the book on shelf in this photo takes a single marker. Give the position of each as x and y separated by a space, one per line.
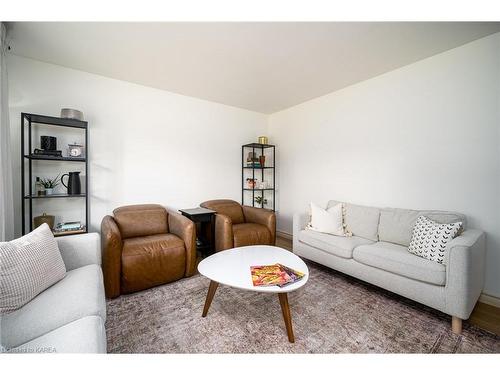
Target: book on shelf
69 225
66 232
54 153
274 275
69 228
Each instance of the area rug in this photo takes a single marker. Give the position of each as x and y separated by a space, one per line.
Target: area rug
332 313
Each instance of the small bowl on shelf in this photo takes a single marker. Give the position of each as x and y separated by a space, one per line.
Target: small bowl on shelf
73 114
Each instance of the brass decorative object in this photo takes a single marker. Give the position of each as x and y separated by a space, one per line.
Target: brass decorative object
39 220
263 140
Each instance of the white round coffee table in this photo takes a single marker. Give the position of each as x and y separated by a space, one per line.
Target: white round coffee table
232 268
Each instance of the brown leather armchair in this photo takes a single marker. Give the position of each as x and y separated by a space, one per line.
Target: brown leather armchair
144 246
237 225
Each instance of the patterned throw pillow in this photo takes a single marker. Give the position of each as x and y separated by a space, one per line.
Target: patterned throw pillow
429 239
28 266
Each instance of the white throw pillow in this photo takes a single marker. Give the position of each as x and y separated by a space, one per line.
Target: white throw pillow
327 221
429 239
28 266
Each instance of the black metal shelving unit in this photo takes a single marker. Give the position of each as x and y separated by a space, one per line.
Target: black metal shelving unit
261 150
27 195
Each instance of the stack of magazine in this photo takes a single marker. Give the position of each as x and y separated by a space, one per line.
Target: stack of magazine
274 275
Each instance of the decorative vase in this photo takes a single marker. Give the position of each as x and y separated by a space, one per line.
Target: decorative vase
48 143
39 220
262 160
48 191
263 140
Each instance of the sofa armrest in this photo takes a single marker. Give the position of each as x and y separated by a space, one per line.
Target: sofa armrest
111 256
261 216
465 268
300 221
223 232
185 229
80 250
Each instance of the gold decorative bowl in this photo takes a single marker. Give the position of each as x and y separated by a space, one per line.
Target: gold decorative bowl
263 140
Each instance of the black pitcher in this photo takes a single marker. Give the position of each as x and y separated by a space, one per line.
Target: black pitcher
73 186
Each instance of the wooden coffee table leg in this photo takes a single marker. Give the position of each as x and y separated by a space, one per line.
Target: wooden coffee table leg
285 309
210 296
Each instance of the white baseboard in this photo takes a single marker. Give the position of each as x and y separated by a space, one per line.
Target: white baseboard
489 300
284 235
484 298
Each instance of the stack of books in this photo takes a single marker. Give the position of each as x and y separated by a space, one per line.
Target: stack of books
274 275
255 164
69 228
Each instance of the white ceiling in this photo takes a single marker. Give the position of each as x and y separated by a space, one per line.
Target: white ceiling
264 67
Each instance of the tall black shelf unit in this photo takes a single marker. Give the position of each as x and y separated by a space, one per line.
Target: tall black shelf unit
27 195
258 149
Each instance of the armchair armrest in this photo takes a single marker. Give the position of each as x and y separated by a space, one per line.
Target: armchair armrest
185 229
223 232
261 216
465 266
111 256
80 250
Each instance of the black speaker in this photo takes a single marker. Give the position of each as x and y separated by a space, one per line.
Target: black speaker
48 143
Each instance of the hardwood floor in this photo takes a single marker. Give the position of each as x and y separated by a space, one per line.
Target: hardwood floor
484 316
487 317
283 242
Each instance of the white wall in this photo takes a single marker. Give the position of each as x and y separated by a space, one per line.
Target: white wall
423 136
178 151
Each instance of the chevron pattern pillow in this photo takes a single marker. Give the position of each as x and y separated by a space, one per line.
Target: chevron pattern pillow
28 266
429 239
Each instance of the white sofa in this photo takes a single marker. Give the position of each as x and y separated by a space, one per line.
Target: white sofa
377 253
69 316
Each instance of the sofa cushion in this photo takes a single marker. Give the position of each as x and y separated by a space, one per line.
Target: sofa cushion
336 245
28 265
86 335
361 221
396 259
152 260
251 234
79 294
396 224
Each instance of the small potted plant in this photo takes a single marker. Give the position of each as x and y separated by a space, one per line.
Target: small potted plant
49 184
260 200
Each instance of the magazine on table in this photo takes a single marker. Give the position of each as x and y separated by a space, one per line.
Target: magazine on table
274 275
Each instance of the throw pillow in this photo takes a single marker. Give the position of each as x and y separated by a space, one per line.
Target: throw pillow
327 221
429 239
28 266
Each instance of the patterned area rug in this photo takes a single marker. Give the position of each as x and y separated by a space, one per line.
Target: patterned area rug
332 313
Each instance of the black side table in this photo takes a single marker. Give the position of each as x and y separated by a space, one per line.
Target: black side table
203 216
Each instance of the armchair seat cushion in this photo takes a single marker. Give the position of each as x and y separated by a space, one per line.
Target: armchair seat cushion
251 234
151 260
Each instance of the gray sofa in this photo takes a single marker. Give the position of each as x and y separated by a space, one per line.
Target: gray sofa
377 253
69 316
